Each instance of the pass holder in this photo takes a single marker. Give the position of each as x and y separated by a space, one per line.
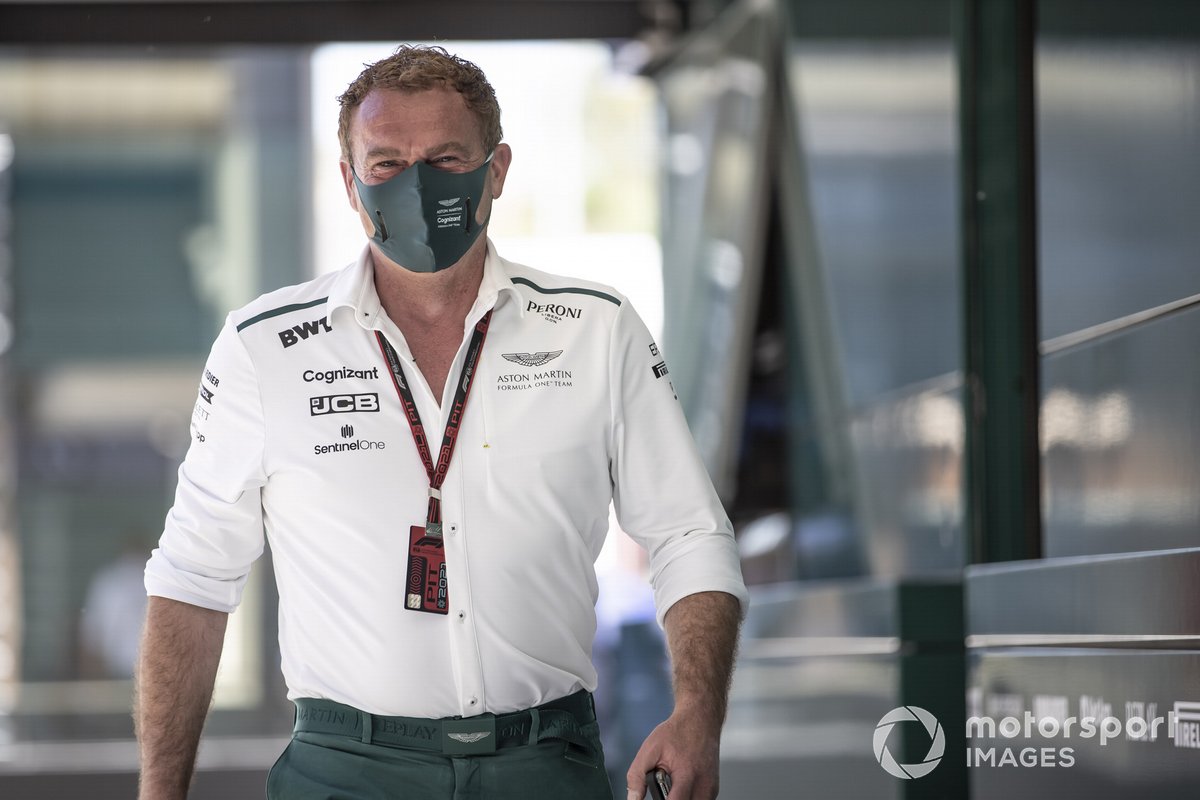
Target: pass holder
433 528
427 588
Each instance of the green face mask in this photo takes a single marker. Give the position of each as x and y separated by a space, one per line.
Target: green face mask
425 217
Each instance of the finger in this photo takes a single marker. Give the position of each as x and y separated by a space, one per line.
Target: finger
635 778
647 758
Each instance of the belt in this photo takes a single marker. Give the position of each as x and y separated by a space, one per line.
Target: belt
458 736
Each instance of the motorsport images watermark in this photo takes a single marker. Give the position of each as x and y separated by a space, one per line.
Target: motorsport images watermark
1183 726
937 742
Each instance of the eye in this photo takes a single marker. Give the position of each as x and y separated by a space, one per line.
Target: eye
382 170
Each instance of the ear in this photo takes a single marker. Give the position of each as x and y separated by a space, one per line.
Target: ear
352 195
498 168
348 182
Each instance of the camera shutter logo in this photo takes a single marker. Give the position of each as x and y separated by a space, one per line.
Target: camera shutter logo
937 746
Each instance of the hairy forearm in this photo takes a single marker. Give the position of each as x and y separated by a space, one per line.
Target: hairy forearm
177 666
702 633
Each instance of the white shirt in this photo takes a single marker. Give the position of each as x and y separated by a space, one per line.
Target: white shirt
572 407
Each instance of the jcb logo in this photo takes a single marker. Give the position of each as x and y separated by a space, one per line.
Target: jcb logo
342 404
304 330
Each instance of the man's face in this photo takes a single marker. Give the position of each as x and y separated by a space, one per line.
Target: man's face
392 130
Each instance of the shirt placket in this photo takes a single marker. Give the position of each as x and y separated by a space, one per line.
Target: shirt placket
463 639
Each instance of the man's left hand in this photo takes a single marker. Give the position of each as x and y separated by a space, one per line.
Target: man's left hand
702 638
688 747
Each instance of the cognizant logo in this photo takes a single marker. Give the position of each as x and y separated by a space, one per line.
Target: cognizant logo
937 742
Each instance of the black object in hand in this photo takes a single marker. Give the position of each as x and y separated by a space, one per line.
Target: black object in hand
658 784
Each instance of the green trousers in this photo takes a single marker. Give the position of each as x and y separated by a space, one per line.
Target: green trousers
318 766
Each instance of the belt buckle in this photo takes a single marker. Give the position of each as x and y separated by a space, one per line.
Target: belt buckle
471 736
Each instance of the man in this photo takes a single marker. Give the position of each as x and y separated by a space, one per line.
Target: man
431 438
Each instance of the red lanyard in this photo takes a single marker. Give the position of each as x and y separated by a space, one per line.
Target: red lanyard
437 474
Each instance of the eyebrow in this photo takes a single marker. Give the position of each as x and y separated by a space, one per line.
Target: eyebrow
442 149
376 152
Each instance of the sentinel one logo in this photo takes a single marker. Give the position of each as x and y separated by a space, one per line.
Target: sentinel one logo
937 742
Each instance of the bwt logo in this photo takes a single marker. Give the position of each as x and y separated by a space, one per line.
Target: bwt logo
304 330
937 739
342 404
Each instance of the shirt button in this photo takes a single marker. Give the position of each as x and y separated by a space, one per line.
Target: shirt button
454 529
473 701
462 615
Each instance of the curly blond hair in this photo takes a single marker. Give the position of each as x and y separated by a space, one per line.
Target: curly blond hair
414 68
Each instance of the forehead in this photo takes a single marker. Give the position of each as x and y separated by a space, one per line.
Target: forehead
403 119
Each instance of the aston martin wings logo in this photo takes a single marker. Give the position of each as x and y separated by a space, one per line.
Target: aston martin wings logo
469 738
532 359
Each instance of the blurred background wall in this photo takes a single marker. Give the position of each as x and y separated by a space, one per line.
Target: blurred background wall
925 274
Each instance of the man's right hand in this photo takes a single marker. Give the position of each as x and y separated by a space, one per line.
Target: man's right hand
177 666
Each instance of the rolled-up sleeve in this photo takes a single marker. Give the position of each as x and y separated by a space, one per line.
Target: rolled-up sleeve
663 496
214 530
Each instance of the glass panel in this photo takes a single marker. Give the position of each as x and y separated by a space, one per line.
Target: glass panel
10 631
909 453
879 135
1121 442
1119 195
876 133
1119 178
714 98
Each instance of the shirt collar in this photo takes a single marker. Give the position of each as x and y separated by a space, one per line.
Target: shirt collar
496 283
354 288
